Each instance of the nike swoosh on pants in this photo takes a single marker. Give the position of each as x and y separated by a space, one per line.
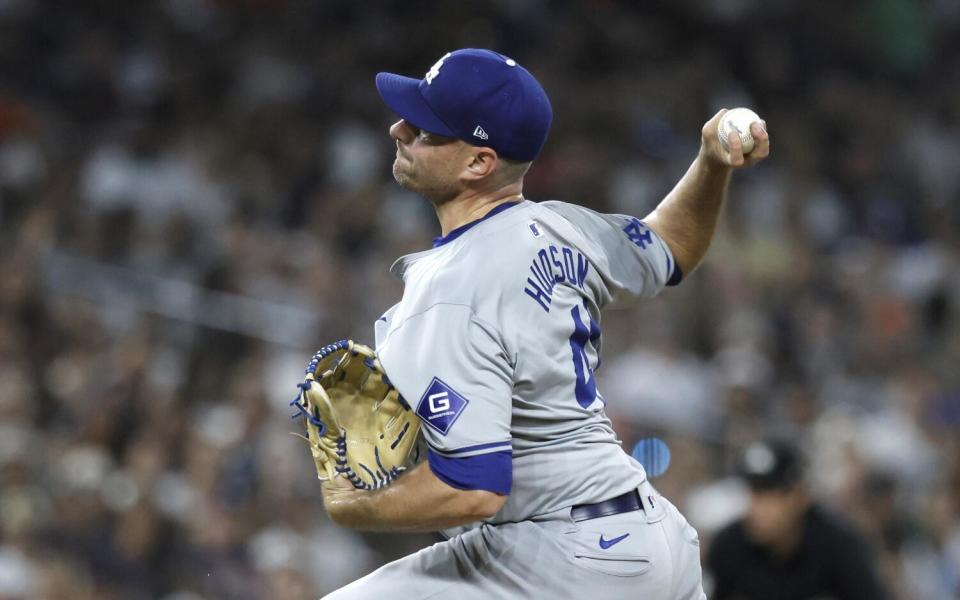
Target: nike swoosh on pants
607 543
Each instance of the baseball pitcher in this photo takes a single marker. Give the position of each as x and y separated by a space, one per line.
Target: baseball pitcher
492 352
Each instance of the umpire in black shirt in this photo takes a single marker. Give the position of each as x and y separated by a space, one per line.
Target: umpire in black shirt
787 547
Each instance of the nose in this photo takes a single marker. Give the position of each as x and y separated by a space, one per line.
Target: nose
401 132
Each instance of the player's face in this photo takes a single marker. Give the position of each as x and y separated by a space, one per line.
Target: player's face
427 163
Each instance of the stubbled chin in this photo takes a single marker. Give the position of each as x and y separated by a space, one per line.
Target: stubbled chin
398 173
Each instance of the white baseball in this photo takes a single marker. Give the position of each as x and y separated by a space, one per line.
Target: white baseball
737 120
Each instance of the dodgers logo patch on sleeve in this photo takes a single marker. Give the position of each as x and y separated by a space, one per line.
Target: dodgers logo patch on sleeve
440 406
638 233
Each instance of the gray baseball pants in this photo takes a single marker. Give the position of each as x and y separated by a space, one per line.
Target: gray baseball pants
551 557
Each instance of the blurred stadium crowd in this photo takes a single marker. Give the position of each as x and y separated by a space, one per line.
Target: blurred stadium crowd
194 194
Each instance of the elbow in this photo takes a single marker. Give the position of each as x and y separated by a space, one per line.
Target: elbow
337 514
342 510
484 504
687 253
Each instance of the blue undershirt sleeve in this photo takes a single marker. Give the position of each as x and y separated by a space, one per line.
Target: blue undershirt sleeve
492 471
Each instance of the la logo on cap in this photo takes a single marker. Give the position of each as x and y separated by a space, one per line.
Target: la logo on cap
435 69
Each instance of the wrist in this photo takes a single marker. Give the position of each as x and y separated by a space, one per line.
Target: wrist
712 163
345 507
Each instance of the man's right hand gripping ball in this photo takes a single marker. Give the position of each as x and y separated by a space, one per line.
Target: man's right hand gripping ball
358 425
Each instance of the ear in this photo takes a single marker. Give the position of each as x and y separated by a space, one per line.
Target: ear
481 162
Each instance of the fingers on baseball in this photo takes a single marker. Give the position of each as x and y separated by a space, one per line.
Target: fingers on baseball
710 127
761 147
736 149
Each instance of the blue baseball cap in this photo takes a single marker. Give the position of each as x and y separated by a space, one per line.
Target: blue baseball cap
479 96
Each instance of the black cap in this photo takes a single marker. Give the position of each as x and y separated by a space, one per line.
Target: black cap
771 465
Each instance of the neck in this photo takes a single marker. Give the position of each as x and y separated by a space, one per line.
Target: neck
470 206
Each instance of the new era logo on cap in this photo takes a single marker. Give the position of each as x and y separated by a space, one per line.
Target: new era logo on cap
470 86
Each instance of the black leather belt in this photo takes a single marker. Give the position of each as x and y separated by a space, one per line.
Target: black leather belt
624 503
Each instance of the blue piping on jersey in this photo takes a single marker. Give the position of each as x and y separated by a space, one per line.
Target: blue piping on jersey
503 445
439 241
492 471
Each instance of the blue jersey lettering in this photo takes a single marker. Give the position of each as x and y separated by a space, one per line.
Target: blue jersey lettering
556 263
548 270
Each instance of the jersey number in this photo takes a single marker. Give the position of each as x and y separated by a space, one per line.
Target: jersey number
586 387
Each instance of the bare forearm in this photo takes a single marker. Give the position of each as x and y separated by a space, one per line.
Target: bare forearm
687 218
417 501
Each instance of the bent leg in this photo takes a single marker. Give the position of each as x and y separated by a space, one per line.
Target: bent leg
421 575
658 559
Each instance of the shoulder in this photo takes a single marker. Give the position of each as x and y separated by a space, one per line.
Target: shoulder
566 209
575 215
488 252
477 267
599 230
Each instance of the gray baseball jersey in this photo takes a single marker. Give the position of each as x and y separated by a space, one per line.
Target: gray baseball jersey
495 344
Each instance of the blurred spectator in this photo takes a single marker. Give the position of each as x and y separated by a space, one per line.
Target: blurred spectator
787 546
